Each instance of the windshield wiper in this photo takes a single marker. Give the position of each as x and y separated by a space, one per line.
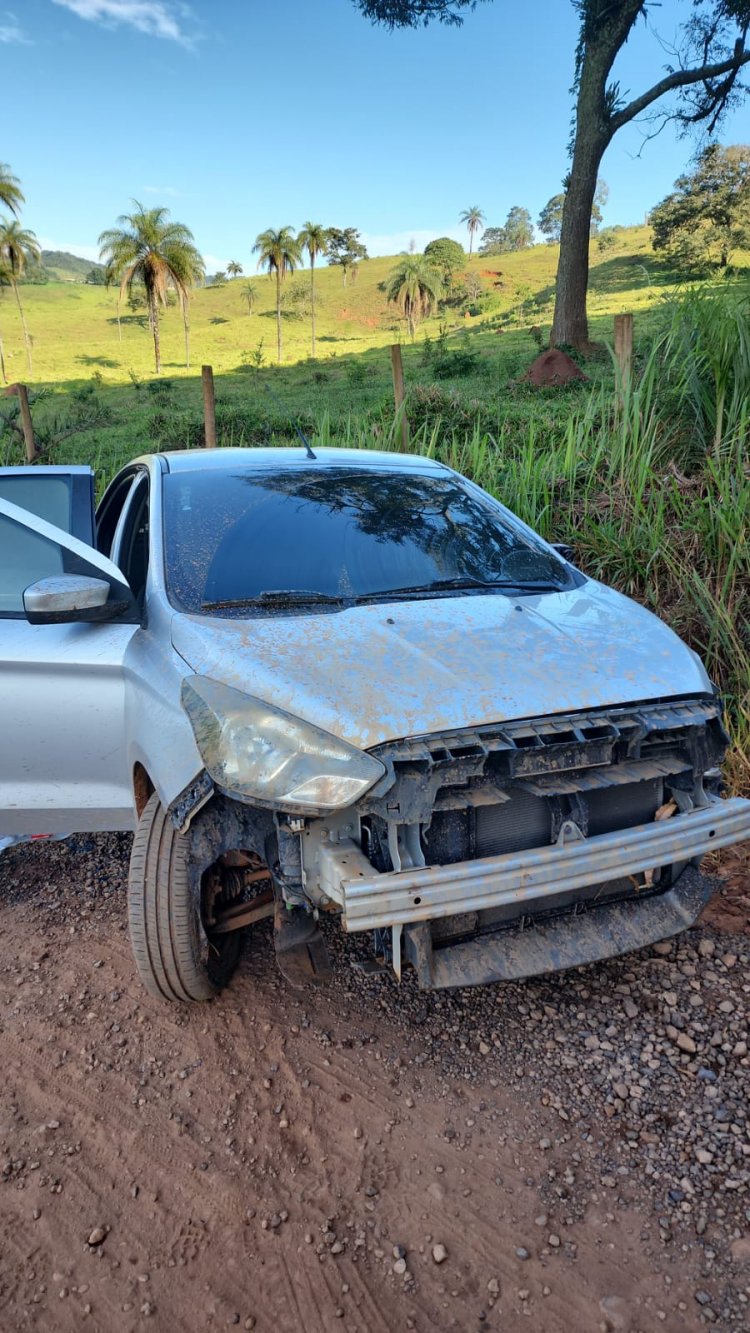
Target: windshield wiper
277 597
462 584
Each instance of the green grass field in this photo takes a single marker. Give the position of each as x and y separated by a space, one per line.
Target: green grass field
75 331
82 358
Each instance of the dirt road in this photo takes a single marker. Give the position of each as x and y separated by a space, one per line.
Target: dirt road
572 1154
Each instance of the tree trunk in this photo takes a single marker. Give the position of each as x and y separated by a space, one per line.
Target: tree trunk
26 337
471 241
312 297
570 323
186 326
2 362
593 132
153 315
278 314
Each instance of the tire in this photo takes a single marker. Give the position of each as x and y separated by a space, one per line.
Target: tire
174 957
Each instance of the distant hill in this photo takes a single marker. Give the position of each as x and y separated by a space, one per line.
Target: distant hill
62 266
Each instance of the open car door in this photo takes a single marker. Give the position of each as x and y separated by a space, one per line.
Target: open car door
66 619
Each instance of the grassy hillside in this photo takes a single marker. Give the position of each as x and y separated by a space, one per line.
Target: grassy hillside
75 328
62 266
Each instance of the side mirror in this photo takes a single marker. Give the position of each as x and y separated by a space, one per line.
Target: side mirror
69 598
565 551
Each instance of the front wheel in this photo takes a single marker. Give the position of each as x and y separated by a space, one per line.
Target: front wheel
175 958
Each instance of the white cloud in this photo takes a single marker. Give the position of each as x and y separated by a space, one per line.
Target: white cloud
156 18
392 243
214 264
168 191
11 31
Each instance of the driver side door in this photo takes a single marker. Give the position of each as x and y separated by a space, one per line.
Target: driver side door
63 757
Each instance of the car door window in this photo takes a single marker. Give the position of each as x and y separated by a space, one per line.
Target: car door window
25 556
61 496
32 549
49 497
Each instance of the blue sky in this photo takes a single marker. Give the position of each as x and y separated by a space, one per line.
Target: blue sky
244 114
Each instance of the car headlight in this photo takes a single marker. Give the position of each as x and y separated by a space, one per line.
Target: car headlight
260 753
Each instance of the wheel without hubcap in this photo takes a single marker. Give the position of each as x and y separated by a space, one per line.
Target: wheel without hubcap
176 954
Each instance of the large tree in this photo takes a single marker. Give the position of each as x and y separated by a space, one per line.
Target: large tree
279 253
519 229
415 287
314 239
18 248
708 214
345 248
517 234
148 250
551 216
11 194
703 78
447 256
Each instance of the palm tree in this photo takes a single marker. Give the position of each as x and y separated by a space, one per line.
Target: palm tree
314 239
250 293
18 248
280 253
11 194
234 269
474 219
147 248
415 288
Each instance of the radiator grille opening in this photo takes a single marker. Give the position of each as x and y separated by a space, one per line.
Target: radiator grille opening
614 808
523 821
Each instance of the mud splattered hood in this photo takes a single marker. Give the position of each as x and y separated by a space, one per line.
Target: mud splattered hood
379 672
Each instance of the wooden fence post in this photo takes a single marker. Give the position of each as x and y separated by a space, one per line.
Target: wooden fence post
209 406
27 424
624 347
397 366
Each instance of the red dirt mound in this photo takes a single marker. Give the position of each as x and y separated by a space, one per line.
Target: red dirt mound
553 367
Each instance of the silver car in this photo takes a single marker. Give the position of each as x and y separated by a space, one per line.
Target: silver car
350 683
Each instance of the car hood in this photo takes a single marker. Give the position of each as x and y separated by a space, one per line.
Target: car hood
380 672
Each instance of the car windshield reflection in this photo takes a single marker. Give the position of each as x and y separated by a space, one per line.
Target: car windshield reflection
251 540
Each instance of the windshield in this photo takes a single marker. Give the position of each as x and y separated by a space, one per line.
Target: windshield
236 540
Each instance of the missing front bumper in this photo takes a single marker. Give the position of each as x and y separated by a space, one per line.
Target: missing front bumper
601 932
535 878
372 901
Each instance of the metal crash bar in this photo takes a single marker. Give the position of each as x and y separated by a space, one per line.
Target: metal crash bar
370 900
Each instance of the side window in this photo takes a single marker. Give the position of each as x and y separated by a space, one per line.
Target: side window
25 557
132 556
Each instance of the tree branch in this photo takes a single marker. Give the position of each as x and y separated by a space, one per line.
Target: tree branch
681 78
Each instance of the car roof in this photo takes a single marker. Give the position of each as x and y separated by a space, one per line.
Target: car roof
194 460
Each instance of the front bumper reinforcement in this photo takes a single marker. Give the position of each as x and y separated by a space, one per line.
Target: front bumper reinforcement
372 901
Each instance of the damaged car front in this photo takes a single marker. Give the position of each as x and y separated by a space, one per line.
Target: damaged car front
452 740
